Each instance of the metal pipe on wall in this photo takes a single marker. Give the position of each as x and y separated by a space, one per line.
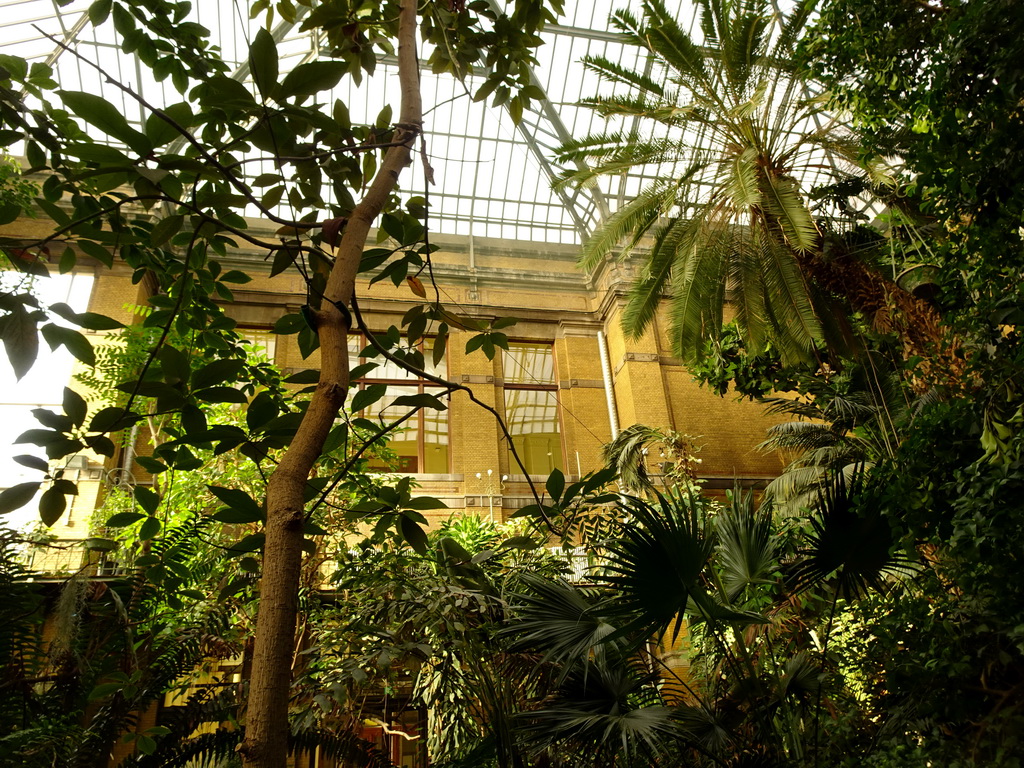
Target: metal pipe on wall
609 391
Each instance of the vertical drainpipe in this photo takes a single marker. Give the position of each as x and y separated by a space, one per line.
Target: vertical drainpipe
609 392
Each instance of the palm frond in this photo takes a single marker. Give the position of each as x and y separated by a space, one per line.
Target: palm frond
627 453
563 622
782 200
748 552
614 72
851 545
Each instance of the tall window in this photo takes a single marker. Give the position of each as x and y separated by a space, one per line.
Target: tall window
531 407
421 442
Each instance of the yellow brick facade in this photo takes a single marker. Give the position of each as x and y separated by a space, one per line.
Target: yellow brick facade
555 305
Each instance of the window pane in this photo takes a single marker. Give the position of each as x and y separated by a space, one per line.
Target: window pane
435 441
404 440
528 364
532 417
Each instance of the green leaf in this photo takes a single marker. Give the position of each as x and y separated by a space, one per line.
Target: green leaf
422 400
239 502
122 519
159 131
99 11
151 465
165 229
51 506
307 79
100 113
21 339
222 395
17 496
149 529
235 276
519 542
308 376
425 502
147 499
309 528
413 534
32 462
217 372
104 690
263 63
112 419
555 484
102 444
261 410
99 252
75 406
367 397
72 340
338 435
251 543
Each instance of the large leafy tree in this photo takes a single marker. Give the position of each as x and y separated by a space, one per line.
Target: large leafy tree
170 199
736 139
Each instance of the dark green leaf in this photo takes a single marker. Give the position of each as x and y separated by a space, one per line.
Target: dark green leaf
217 372
263 62
425 502
413 534
17 496
147 499
21 339
165 229
104 690
251 543
122 519
307 79
519 542
308 376
89 320
151 465
102 114
160 131
72 340
149 529
422 400
238 501
112 419
367 397
33 462
75 406
51 506
222 395
262 409
555 484
235 276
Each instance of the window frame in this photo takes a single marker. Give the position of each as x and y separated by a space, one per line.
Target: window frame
553 387
422 386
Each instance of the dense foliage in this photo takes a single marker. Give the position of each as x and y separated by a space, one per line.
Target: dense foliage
870 613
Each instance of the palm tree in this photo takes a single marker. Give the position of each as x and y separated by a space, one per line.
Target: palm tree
843 421
757 686
735 142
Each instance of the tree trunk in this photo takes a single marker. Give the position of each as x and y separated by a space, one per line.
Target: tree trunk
892 310
267 728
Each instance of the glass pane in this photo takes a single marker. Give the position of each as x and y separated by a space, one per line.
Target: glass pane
355 344
404 440
532 417
528 364
435 441
261 343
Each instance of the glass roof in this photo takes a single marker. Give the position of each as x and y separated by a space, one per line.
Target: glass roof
492 178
